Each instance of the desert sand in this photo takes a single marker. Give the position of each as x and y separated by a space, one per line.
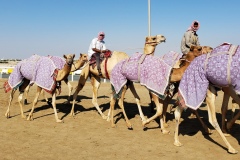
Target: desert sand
88 136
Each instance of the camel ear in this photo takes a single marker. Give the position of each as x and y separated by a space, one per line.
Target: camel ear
192 47
73 56
146 39
64 56
81 54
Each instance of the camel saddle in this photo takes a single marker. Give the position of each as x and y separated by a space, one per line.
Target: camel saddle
103 56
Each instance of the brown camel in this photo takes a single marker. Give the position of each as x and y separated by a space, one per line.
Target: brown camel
205 50
83 58
61 75
106 67
175 76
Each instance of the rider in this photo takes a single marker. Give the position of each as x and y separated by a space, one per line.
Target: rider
97 47
190 37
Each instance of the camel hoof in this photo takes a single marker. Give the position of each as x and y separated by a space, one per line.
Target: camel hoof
130 127
114 126
145 122
104 117
165 131
232 151
108 119
30 118
178 144
59 121
207 131
72 114
7 115
165 125
226 134
24 117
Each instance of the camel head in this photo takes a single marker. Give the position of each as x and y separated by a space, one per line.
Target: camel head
69 58
83 57
206 49
155 40
195 50
151 42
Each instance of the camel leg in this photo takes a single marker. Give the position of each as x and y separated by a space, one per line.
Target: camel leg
232 93
20 97
70 88
45 97
112 104
177 114
7 114
206 129
234 106
54 107
26 94
137 98
30 116
152 105
81 82
165 106
120 103
109 111
159 106
210 99
224 108
96 84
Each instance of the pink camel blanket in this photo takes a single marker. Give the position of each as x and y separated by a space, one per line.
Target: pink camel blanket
151 71
219 68
40 70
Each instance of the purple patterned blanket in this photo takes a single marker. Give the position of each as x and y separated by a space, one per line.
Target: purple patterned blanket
219 68
150 71
171 58
40 70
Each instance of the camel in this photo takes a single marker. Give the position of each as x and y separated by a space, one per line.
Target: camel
217 68
106 67
39 70
75 66
175 76
205 50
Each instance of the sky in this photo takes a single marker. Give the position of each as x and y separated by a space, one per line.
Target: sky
57 27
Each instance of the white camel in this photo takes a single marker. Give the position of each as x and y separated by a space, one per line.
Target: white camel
106 67
219 69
